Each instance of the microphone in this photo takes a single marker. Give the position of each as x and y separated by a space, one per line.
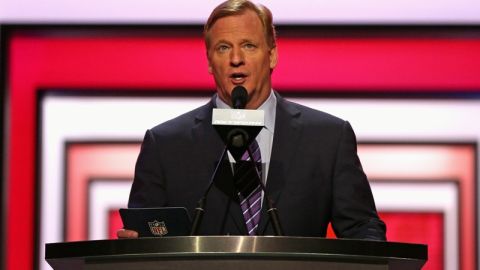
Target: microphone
238 138
223 120
239 97
238 127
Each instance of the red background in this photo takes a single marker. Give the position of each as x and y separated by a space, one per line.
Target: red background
365 65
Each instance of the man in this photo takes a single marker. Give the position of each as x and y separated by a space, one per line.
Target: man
310 165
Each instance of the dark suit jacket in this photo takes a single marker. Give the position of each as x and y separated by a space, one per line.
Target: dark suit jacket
315 176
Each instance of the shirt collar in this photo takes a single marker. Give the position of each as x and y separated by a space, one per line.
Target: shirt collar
268 106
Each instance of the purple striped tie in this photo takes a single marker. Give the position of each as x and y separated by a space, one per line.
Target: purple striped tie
251 202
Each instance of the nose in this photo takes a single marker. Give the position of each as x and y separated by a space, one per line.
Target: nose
236 57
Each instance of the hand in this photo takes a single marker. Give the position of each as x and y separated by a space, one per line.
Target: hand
124 234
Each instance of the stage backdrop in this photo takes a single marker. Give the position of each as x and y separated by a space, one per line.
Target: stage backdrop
80 99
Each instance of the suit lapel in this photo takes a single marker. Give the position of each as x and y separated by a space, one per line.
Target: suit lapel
205 138
287 132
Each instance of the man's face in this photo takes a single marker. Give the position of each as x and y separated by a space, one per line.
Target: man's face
239 55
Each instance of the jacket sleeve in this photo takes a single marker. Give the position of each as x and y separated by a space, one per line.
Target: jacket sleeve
148 189
354 214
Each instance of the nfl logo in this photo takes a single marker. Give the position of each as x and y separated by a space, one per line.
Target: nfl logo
158 228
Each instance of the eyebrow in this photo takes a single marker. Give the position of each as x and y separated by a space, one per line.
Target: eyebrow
221 41
229 42
247 40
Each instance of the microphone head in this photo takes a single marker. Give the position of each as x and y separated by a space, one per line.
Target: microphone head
239 97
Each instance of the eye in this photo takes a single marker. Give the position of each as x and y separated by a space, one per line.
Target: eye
222 48
249 46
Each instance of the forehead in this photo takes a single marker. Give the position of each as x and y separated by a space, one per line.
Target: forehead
246 25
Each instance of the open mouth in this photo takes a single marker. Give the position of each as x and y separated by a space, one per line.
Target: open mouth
238 78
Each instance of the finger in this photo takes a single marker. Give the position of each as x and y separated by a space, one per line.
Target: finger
122 233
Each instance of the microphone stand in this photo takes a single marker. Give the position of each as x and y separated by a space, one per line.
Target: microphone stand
272 210
239 100
199 210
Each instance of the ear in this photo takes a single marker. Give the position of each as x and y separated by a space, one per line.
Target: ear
210 68
273 57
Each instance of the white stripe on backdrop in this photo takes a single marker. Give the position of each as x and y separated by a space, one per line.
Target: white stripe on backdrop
110 118
285 12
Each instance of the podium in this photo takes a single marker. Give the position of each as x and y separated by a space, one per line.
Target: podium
234 252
